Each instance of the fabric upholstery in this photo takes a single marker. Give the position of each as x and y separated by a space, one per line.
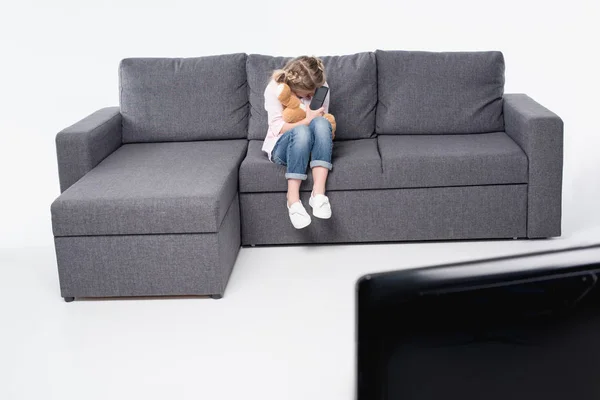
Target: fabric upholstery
180 99
448 213
439 92
539 132
356 165
352 80
451 160
81 146
149 265
150 204
177 187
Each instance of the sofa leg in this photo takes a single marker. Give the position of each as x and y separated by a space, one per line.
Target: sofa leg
69 299
216 296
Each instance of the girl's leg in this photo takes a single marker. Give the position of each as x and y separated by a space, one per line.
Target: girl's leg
293 192
293 150
321 153
320 178
320 164
298 154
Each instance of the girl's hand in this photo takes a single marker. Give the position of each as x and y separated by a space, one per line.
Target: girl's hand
312 114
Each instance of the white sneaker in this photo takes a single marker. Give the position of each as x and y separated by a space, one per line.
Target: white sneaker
320 205
298 215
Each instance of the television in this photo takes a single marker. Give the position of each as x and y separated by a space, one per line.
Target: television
519 327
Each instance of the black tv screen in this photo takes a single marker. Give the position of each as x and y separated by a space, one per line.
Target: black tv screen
521 327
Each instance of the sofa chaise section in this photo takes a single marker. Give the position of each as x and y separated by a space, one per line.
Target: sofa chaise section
147 217
149 203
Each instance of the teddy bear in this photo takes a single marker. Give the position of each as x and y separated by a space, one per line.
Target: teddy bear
294 110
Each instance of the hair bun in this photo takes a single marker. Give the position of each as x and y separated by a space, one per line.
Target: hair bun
318 63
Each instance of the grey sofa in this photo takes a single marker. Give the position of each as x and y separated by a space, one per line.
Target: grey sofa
159 193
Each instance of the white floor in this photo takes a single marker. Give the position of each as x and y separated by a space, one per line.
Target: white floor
284 330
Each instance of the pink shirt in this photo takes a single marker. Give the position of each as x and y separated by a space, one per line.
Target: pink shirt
275 114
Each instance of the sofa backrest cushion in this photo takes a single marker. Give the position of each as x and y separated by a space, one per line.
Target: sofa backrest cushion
352 80
182 99
439 92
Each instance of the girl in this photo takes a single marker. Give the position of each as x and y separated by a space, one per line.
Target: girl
295 144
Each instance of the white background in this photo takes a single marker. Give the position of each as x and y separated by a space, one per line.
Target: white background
60 59
284 329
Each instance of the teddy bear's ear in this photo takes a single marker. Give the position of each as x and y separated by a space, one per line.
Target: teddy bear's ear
284 94
282 87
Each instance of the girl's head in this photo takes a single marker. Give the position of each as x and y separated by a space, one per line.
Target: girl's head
302 74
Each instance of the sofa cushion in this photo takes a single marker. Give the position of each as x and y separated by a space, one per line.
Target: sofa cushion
356 165
178 99
451 160
433 93
352 80
143 188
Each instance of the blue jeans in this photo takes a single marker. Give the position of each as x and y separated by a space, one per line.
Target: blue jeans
295 147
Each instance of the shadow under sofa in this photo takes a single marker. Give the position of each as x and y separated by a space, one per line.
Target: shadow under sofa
159 193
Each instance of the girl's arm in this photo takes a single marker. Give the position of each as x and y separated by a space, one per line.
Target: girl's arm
274 111
310 114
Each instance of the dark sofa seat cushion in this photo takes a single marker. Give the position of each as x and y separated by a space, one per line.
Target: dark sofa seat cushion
147 188
352 80
451 160
423 92
179 99
356 165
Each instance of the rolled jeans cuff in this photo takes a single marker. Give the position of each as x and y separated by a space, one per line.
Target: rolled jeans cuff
320 163
289 175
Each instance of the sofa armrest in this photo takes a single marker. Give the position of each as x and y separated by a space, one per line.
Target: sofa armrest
539 132
82 146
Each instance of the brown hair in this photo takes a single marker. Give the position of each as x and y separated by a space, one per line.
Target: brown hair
302 73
